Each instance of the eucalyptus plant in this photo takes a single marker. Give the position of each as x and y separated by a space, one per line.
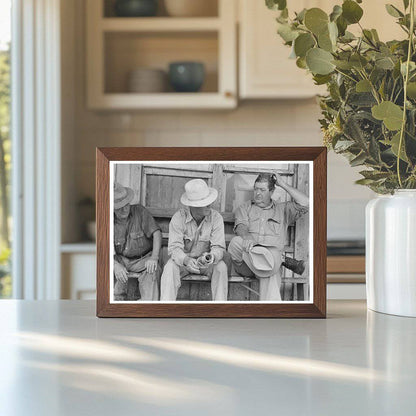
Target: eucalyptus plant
369 112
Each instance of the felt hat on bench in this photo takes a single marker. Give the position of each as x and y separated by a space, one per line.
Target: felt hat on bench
262 260
198 194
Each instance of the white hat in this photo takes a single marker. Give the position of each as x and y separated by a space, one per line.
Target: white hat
198 194
262 260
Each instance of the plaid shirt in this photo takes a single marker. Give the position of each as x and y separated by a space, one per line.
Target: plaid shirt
186 238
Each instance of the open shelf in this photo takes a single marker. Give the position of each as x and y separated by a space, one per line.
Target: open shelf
116 46
127 51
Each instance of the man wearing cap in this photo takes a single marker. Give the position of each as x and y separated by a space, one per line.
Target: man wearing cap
137 242
196 243
261 227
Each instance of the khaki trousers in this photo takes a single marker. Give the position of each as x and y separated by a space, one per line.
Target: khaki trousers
148 282
269 286
171 280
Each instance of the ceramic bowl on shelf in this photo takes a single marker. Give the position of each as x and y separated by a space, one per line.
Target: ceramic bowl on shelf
135 8
147 80
191 8
186 76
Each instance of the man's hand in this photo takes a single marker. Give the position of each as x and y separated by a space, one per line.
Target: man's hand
247 244
279 180
205 259
191 265
151 265
120 272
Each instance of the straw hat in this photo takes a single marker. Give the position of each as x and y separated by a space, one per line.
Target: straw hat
198 194
122 196
262 260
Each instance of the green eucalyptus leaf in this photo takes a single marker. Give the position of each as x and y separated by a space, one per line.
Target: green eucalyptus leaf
333 32
385 63
368 36
347 37
300 17
351 11
393 11
381 89
343 65
336 12
411 90
301 63
316 20
391 114
358 160
321 79
319 61
374 150
363 86
364 181
343 145
325 42
412 67
396 71
361 99
375 35
394 145
358 61
276 4
286 32
303 43
342 25
374 175
377 74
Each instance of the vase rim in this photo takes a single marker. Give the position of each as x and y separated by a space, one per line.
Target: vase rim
405 191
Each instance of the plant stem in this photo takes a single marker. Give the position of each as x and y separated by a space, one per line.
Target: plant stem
345 75
406 79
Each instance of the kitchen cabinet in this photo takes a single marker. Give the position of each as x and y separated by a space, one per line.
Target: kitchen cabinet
265 70
118 45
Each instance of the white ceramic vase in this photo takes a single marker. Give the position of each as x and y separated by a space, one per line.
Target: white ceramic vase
391 253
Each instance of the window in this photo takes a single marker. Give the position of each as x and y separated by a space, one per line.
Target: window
5 145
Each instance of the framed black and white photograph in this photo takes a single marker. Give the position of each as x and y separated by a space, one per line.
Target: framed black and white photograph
222 232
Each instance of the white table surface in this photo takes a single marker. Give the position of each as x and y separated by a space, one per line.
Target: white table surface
57 358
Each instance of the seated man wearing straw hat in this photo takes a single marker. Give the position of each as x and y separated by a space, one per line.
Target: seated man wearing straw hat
196 243
261 228
137 242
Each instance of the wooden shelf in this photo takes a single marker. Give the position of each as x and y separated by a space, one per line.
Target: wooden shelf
162 101
159 24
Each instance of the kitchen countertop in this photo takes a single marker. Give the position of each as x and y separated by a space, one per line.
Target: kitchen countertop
57 358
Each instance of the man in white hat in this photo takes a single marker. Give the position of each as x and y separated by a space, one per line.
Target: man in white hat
261 227
137 242
196 243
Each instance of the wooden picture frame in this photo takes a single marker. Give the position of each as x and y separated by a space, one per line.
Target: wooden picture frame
314 308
